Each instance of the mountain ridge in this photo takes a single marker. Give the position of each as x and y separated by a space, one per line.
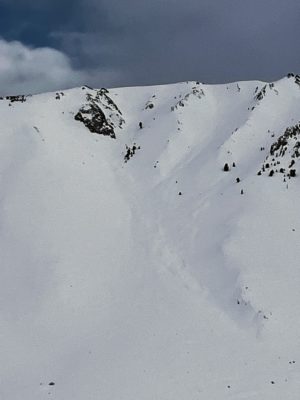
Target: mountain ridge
143 255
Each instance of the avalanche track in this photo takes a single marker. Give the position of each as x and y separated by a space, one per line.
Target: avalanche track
149 243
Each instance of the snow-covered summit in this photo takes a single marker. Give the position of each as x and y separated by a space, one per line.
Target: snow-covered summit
150 242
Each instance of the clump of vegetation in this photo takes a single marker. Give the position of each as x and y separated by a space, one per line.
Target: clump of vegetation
226 167
130 152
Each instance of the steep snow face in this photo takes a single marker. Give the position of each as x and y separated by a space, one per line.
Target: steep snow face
149 243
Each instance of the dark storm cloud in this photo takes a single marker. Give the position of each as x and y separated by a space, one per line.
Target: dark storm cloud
132 42
30 21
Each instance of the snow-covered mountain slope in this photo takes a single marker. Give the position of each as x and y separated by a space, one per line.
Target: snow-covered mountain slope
149 243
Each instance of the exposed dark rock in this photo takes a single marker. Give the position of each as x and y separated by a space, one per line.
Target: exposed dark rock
285 151
261 94
57 96
196 92
104 91
87 87
21 98
296 77
94 119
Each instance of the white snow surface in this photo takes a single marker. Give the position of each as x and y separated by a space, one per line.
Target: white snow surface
155 278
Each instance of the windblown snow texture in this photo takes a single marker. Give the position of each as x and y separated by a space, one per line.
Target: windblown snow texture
150 243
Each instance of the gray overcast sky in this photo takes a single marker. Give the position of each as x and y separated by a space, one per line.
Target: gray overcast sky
46 45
